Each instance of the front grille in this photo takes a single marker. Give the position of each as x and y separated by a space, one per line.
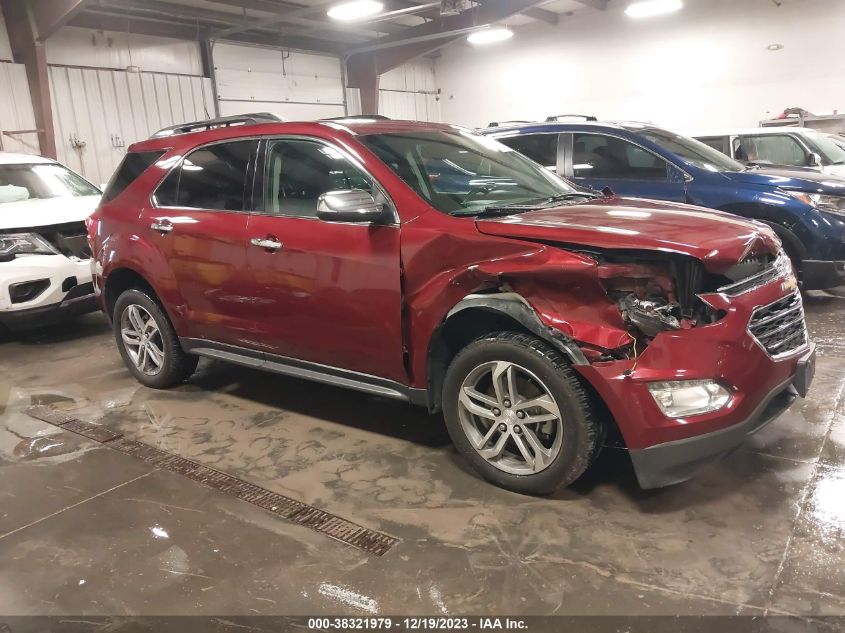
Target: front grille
780 327
69 239
759 271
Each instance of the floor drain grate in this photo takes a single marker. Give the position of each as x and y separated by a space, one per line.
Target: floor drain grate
333 526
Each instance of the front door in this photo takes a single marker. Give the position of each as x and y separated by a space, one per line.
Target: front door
598 161
199 224
327 293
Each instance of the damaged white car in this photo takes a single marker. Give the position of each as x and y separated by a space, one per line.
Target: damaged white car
45 268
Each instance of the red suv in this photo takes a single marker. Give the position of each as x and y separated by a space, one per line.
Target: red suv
429 264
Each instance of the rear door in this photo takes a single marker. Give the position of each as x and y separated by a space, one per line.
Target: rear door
199 223
600 160
324 292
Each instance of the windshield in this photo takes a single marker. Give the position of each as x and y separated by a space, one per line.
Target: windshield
461 173
41 181
831 147
692 151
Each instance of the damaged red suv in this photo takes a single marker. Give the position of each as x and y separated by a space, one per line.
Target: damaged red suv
429 264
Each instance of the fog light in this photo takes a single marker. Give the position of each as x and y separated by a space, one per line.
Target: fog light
684 398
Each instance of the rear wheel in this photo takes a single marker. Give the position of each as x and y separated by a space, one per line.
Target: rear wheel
519 413
147 342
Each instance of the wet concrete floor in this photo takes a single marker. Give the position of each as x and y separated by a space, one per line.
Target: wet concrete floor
88 530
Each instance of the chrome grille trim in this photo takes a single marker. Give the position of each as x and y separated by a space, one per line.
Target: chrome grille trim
780 327
781 267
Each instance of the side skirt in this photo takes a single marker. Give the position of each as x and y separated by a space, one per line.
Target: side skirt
307 371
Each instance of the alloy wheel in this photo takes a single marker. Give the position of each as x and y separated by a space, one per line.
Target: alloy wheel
142 339
510 417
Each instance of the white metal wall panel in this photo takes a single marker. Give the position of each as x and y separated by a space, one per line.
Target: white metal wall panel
98 113
16 110
410 92
288 111
292 84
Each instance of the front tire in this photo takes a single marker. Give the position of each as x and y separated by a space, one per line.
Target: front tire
148 343
519 414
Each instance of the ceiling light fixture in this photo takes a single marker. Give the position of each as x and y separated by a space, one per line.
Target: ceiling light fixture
774 47
490 36
651 8
355 10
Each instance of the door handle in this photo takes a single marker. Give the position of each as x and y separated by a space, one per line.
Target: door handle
267 243
162 227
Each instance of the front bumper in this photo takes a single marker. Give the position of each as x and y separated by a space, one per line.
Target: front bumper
669 450
674 462
822 275
69 291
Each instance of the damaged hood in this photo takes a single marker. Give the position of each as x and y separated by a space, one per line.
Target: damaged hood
719 240
46 211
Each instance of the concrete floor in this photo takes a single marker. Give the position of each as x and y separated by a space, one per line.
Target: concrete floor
87 530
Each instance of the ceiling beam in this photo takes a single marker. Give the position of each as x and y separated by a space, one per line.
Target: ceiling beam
51 15
392 52
599 5
543 15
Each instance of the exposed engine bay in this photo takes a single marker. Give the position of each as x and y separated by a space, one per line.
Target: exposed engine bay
656 294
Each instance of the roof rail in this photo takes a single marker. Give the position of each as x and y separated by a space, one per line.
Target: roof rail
501 123
557 117
226 121
359 117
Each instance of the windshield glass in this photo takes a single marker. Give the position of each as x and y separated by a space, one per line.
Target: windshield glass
41 181
461 173
833 150
694 152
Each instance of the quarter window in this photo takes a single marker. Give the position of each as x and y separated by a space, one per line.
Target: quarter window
213 177
597 156
298 172
776 149
541 148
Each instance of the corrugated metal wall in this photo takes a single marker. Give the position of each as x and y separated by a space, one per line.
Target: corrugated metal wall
410 92
16 110
98 113
291 84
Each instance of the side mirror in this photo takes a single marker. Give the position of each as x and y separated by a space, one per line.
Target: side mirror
350 205
816 160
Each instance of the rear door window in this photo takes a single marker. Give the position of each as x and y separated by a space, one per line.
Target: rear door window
599 156
541 148
216 177
131 167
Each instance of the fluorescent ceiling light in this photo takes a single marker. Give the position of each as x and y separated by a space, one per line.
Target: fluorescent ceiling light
490 36
650 8
355 10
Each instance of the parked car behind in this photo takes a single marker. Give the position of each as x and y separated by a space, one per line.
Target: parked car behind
780 147
805 209
433 265
45 268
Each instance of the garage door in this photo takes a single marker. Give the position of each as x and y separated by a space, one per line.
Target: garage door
98 113
291 84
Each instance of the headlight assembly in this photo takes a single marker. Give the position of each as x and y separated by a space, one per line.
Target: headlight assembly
683 398
12 244
831 204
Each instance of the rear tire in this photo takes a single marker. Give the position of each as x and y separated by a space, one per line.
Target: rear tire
533 433
148 343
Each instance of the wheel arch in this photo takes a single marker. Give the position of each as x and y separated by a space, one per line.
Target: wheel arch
480 314
119 281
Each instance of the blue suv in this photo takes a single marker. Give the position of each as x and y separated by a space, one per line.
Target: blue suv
806 209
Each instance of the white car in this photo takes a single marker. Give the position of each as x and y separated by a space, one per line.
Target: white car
794 147
45 267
